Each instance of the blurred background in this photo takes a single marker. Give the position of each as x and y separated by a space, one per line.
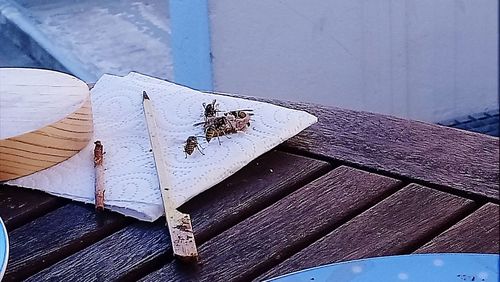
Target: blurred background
429 60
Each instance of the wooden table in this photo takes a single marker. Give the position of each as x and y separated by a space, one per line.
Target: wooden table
354 185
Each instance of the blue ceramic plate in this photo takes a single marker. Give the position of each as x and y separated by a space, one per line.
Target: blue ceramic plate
428 267
4 248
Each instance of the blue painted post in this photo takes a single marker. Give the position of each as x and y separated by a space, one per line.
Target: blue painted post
190 41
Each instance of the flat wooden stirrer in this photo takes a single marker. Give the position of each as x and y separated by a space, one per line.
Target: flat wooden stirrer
179 224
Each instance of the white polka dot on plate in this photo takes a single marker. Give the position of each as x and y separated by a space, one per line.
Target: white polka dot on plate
357 269
438 262
403 276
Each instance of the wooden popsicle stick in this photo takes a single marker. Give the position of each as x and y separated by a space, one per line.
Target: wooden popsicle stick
99 175
179 224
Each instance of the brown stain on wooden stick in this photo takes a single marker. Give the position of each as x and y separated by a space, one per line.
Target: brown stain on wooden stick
99 175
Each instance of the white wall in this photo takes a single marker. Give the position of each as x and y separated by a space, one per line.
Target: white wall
422 59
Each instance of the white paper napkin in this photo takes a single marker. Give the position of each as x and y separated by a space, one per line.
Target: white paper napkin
131 182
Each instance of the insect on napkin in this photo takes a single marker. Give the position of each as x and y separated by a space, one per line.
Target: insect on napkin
130 176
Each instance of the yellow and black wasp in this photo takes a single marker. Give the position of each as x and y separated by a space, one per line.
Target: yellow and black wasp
191 144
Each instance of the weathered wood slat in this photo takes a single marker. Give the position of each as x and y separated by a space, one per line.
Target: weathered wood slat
477 233
249 190
114 256
18 205
263 182
56 235
394 225
428 153
263 239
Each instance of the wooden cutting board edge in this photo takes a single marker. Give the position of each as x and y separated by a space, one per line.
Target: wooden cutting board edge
45 147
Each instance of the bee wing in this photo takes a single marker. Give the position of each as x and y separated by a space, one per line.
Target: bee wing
242 110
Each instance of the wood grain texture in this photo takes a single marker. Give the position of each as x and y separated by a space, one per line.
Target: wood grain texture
46 118
111 258
279 230
261 183
19 206
389 228
477 233
429 153
248 190
56 235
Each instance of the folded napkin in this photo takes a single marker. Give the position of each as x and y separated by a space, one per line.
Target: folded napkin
130 178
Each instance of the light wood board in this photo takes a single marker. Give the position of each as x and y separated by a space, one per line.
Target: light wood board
45 118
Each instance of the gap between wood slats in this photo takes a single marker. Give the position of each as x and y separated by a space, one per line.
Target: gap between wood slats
251 210
461 193
442 228
57 235
106 260
164 256
323 233
201 238
261 180
41 210
357 190
431 153
389 228
19 206
478 232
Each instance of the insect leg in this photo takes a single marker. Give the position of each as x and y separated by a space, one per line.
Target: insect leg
227 136
218 139
198 147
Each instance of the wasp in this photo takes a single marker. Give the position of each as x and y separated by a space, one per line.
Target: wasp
230 122
218 122
191 144
218 126
216 130
211 132
210 110
225 125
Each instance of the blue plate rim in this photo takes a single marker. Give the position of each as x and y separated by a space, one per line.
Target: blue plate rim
3 264
371 258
